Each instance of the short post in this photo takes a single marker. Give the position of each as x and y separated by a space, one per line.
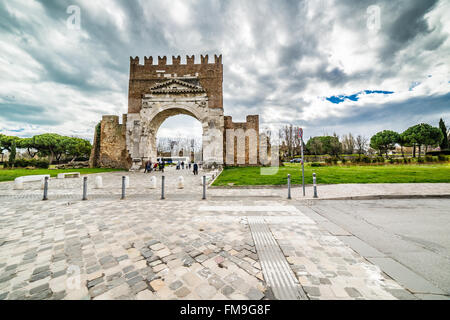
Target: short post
84 188
204 188
315 186
123 188
289 186
98 182
153 182
162 187
45 189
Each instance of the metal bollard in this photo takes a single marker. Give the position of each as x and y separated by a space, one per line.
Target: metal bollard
45 189
289 186
204 188
123 188
84 188
162 187
315 186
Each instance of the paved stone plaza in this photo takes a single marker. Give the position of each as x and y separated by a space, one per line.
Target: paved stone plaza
237 244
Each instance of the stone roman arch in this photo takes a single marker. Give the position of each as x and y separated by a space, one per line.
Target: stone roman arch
158 91
170 98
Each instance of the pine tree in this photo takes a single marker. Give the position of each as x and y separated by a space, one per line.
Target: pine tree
444 144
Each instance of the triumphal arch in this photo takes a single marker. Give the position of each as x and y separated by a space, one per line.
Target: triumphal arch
158 90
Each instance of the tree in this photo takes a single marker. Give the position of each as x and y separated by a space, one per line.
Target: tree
348 144
445 143
76 147
1 145
325 145
314 146
422 134
7 143
28 143
12 153
361 144
48 144
384 141
288 135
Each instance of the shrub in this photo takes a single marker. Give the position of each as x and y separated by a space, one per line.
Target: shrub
380 159
437 153
428 158
43 164
316 164
344 161
335 160
328 161
391 160
365 159
420 160
23 163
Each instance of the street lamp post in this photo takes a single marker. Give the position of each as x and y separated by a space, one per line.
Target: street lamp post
300 133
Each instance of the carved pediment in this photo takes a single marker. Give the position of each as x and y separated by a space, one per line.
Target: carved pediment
174 86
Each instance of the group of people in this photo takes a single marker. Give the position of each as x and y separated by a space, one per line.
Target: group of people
149 166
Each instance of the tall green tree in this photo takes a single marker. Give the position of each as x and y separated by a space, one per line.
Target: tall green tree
48 145
422 135
445 143
76 147
325 145
384 141
8 143
12 153
29 145
314 146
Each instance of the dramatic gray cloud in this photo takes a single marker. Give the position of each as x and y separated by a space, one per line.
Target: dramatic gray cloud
282 60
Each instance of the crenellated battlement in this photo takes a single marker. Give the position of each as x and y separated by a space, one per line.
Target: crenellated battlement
190 60
155 70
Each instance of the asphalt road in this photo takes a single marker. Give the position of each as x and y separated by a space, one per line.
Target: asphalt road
408 239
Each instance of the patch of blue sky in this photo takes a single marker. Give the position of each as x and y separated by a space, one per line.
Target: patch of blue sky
355 97
413 85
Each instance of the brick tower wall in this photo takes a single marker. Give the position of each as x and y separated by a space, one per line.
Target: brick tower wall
143 77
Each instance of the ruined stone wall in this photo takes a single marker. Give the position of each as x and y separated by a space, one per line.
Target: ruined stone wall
241 141
143 77
112 147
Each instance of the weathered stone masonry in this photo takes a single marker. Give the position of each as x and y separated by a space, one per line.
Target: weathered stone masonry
158 91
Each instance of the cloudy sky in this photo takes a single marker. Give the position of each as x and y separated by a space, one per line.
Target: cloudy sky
329 66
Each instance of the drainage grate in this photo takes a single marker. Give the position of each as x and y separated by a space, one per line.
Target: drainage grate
276 270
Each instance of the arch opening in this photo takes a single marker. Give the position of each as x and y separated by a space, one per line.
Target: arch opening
178 137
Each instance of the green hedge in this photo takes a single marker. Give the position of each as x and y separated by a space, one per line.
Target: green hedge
23 163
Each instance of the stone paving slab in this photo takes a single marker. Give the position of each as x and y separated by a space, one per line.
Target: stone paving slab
407 278
361 247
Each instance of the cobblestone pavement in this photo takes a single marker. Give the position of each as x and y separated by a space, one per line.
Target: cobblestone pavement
167 249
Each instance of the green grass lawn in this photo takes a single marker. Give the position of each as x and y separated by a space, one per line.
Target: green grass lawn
337 174
11 174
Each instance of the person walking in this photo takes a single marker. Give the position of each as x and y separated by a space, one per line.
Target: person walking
182 165
147 166
162 166
195 169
